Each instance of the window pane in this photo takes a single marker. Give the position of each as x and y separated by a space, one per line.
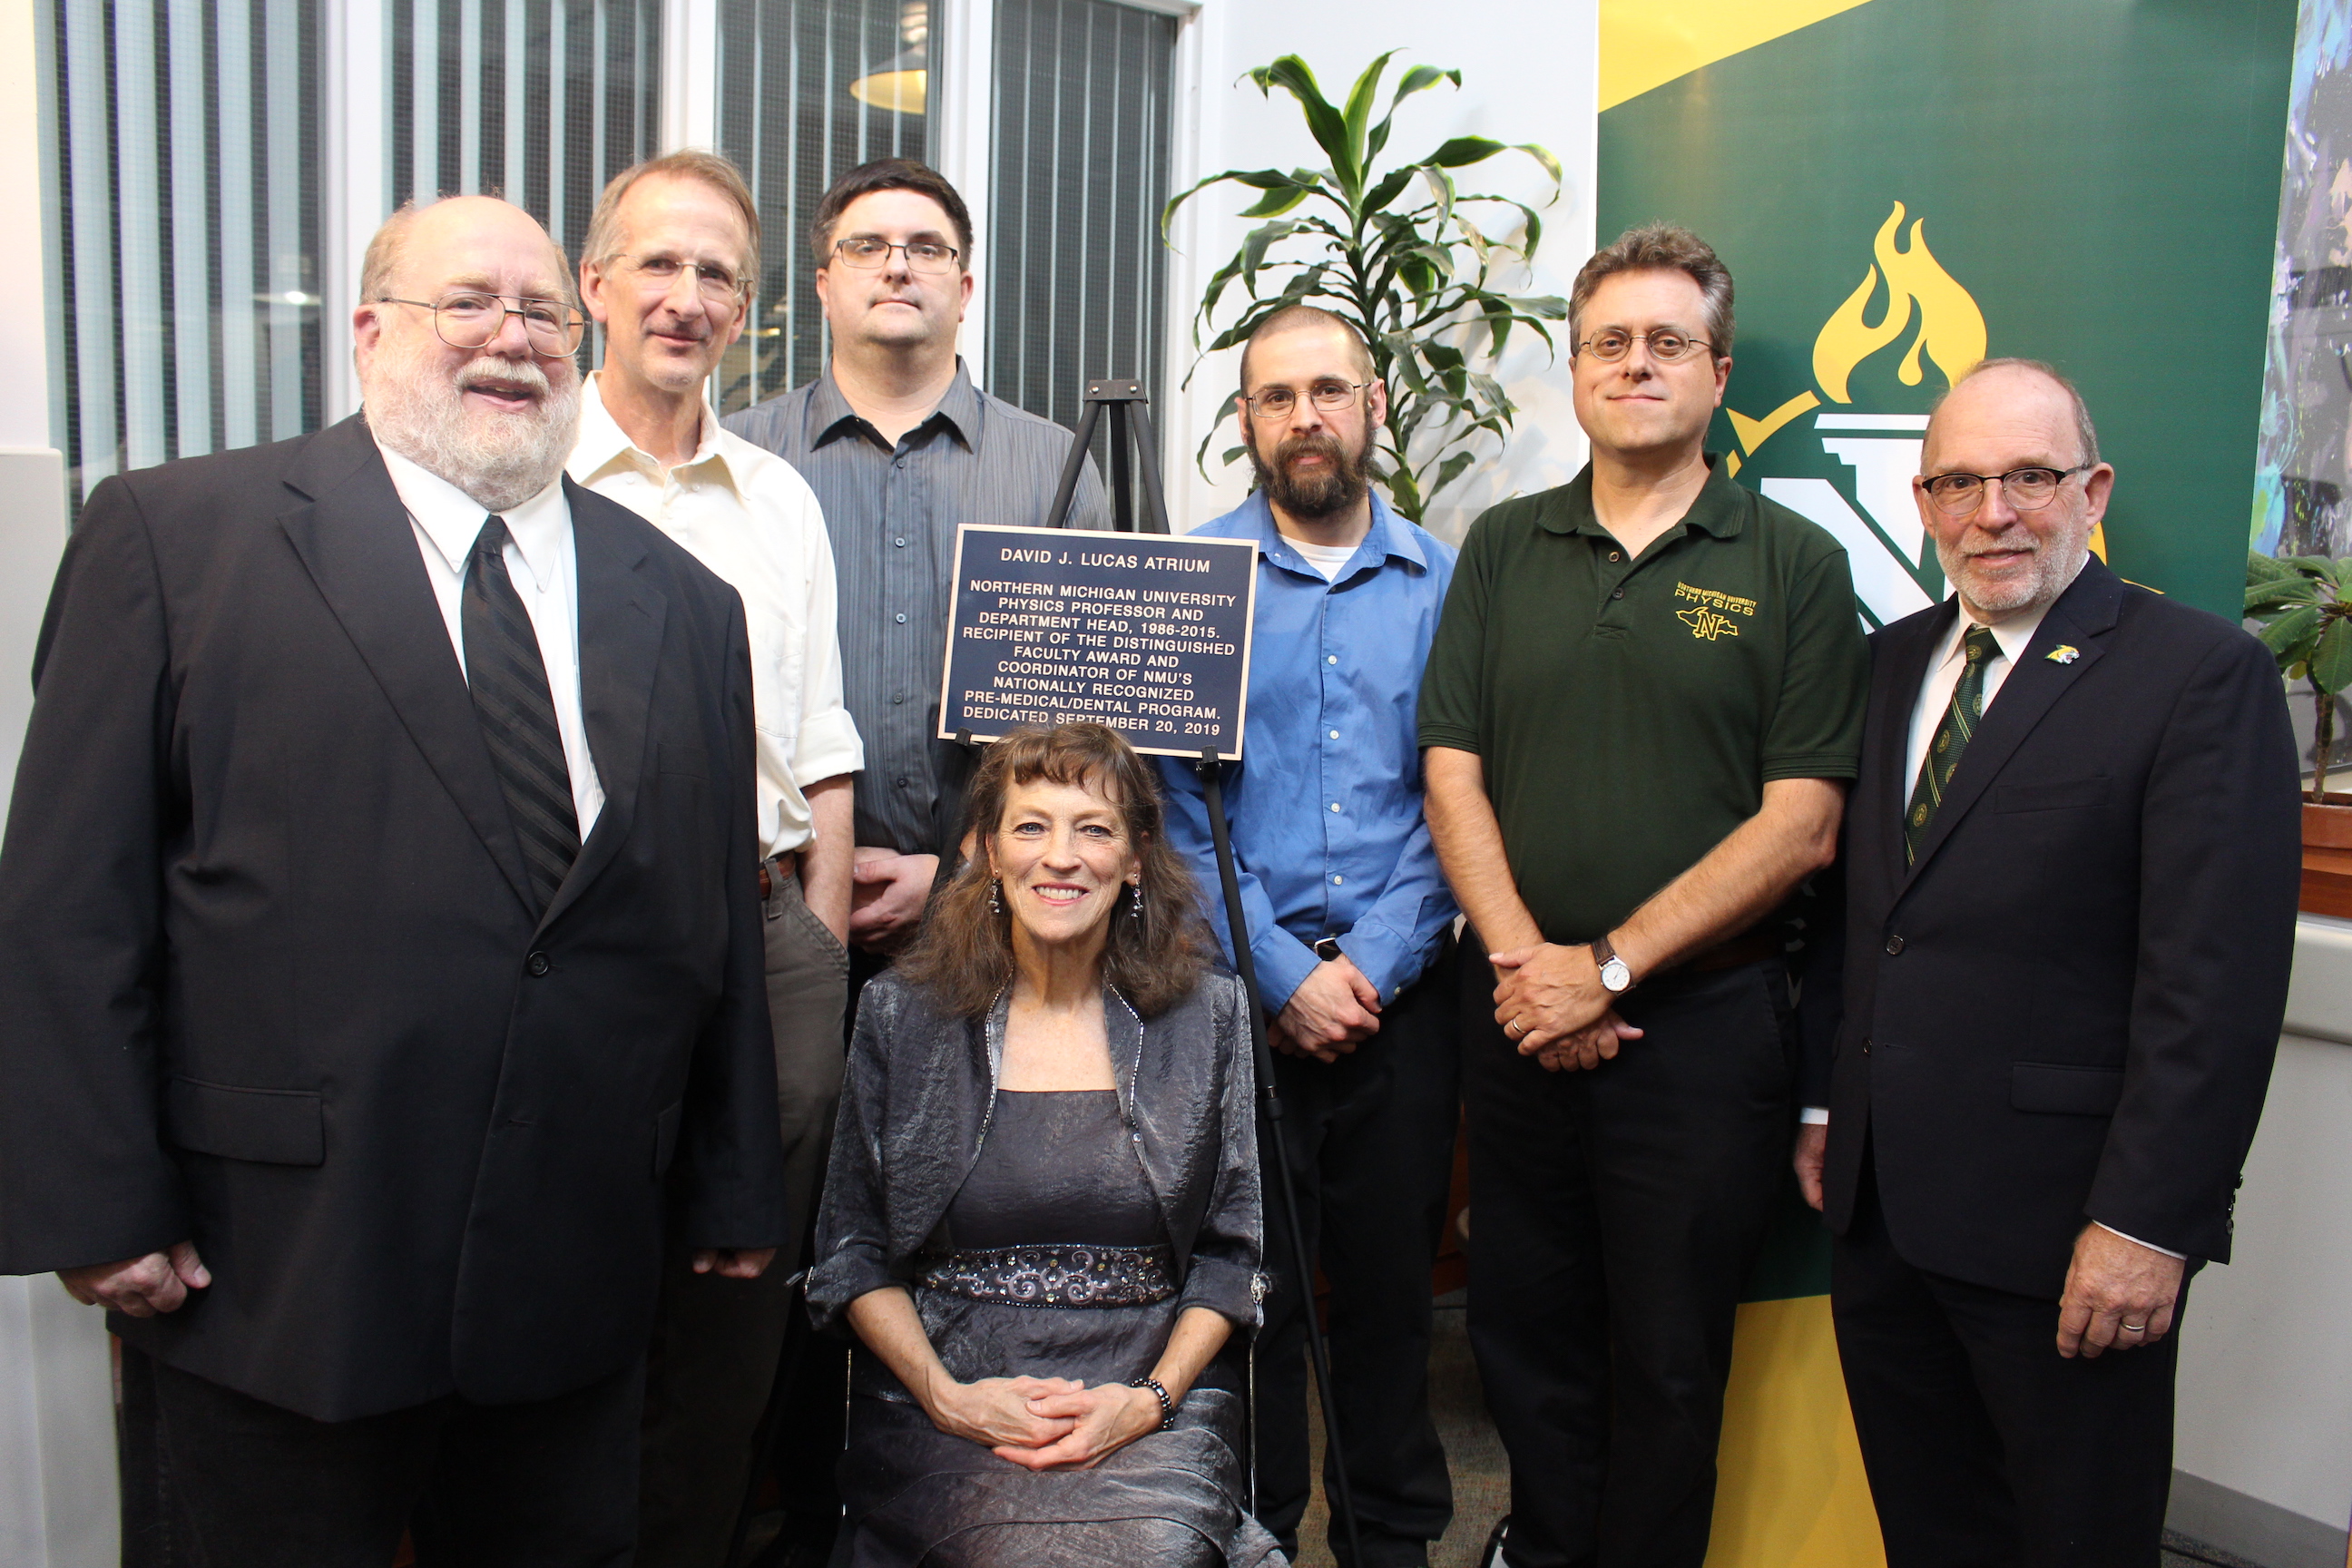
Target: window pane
540 102
788 115
185 207
1077 274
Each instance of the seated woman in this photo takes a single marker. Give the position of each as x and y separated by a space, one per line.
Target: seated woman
1042 1217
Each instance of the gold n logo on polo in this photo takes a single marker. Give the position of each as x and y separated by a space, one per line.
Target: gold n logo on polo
1712 615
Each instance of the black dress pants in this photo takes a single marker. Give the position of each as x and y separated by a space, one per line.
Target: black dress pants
1985 1448
1371 1140
1615 1217
549 1484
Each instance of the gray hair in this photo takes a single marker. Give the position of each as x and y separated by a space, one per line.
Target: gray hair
1660 246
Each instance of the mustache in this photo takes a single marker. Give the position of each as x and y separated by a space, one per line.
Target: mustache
507 372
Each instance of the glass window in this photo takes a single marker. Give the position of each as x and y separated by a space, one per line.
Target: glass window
1078 277
540 102
808 90
182 234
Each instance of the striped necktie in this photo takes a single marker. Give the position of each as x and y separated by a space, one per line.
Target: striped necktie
1951 739
509 682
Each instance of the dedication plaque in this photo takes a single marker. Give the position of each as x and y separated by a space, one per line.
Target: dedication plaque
1148 633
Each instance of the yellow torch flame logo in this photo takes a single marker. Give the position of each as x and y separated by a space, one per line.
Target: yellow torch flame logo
1951 328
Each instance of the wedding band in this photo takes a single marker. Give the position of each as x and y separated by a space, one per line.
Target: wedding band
2135 1328
1516 1031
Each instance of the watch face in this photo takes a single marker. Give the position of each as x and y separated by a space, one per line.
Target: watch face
1614 976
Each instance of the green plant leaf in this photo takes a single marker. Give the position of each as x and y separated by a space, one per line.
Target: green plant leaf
2318 566
2260 568
1325 123
2331 661
2295 589
1418 79
1358 113
1463 151
2289 636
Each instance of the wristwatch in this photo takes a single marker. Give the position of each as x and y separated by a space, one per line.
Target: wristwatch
1615 978
1328 949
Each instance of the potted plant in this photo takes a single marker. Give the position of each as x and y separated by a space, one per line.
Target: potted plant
1395 253
2307 625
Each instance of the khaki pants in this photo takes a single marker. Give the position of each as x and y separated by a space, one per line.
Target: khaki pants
716 1341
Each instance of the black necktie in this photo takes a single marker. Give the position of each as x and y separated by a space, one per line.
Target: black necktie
509 681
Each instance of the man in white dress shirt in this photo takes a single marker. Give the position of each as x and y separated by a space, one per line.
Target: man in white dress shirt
671 257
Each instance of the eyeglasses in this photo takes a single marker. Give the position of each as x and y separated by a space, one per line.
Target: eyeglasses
2028 490
467 319
719 285
867 252
1667 345
1276 402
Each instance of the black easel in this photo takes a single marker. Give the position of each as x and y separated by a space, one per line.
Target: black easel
1131 426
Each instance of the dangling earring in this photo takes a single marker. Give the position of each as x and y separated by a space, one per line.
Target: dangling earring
1135 900
994 907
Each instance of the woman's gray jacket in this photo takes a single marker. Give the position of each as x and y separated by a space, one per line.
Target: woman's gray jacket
917 1099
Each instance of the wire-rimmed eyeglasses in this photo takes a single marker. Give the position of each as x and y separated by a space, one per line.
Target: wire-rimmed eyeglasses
718 285
1665 345
1276 402
468 319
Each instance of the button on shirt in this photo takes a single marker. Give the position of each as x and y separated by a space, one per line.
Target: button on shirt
540 560
1325 804
892 511
752 520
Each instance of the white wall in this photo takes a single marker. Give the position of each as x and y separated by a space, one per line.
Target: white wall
56 1420
2265 1390
1529 74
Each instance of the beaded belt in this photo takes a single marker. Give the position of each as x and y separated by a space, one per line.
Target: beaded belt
1053 1275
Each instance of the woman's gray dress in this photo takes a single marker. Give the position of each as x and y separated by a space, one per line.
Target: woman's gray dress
1040 1259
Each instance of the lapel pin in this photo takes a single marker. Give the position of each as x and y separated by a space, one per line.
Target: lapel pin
2065 653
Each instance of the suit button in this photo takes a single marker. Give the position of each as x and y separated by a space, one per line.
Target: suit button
1866 1045
538 963
1894 945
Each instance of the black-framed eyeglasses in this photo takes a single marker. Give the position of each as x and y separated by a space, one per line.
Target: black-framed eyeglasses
719 285
868 252
1276 402
1666 346
2028 490
467 319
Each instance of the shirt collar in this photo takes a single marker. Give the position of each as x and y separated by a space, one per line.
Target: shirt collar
603 442
830 417
452 519
2010 634
1390 537
1720 508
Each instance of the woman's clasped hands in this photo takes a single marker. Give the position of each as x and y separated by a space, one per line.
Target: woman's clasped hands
1046 1423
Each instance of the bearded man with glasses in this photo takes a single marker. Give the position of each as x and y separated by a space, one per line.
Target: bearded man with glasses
668 270
1641 714
2069 896
376 935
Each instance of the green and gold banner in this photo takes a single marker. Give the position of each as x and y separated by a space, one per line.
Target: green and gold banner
1901 188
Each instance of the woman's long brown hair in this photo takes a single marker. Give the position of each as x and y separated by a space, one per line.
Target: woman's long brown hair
964 955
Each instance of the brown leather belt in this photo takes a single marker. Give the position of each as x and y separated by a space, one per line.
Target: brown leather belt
787 864
1751 947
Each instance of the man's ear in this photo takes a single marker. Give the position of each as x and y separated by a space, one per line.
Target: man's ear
592 291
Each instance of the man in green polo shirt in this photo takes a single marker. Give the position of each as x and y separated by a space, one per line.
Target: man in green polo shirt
1640 712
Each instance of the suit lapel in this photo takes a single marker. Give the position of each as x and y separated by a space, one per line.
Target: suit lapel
621 621
354 538
2082 616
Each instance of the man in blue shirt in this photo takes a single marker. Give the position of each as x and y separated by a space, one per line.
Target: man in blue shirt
1350 923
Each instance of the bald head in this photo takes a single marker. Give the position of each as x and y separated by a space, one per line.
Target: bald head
2019 389
452 219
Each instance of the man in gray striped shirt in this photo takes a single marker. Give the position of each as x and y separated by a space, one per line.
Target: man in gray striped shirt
901 448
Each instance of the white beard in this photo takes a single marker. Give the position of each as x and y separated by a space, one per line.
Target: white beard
499 460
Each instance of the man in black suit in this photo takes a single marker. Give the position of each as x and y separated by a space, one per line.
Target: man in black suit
378 928
2070 884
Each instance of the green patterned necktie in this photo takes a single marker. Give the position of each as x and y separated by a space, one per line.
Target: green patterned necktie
1951 739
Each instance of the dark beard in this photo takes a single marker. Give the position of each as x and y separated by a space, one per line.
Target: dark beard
1312 498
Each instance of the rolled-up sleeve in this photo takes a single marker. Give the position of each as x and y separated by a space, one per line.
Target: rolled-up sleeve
827 745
